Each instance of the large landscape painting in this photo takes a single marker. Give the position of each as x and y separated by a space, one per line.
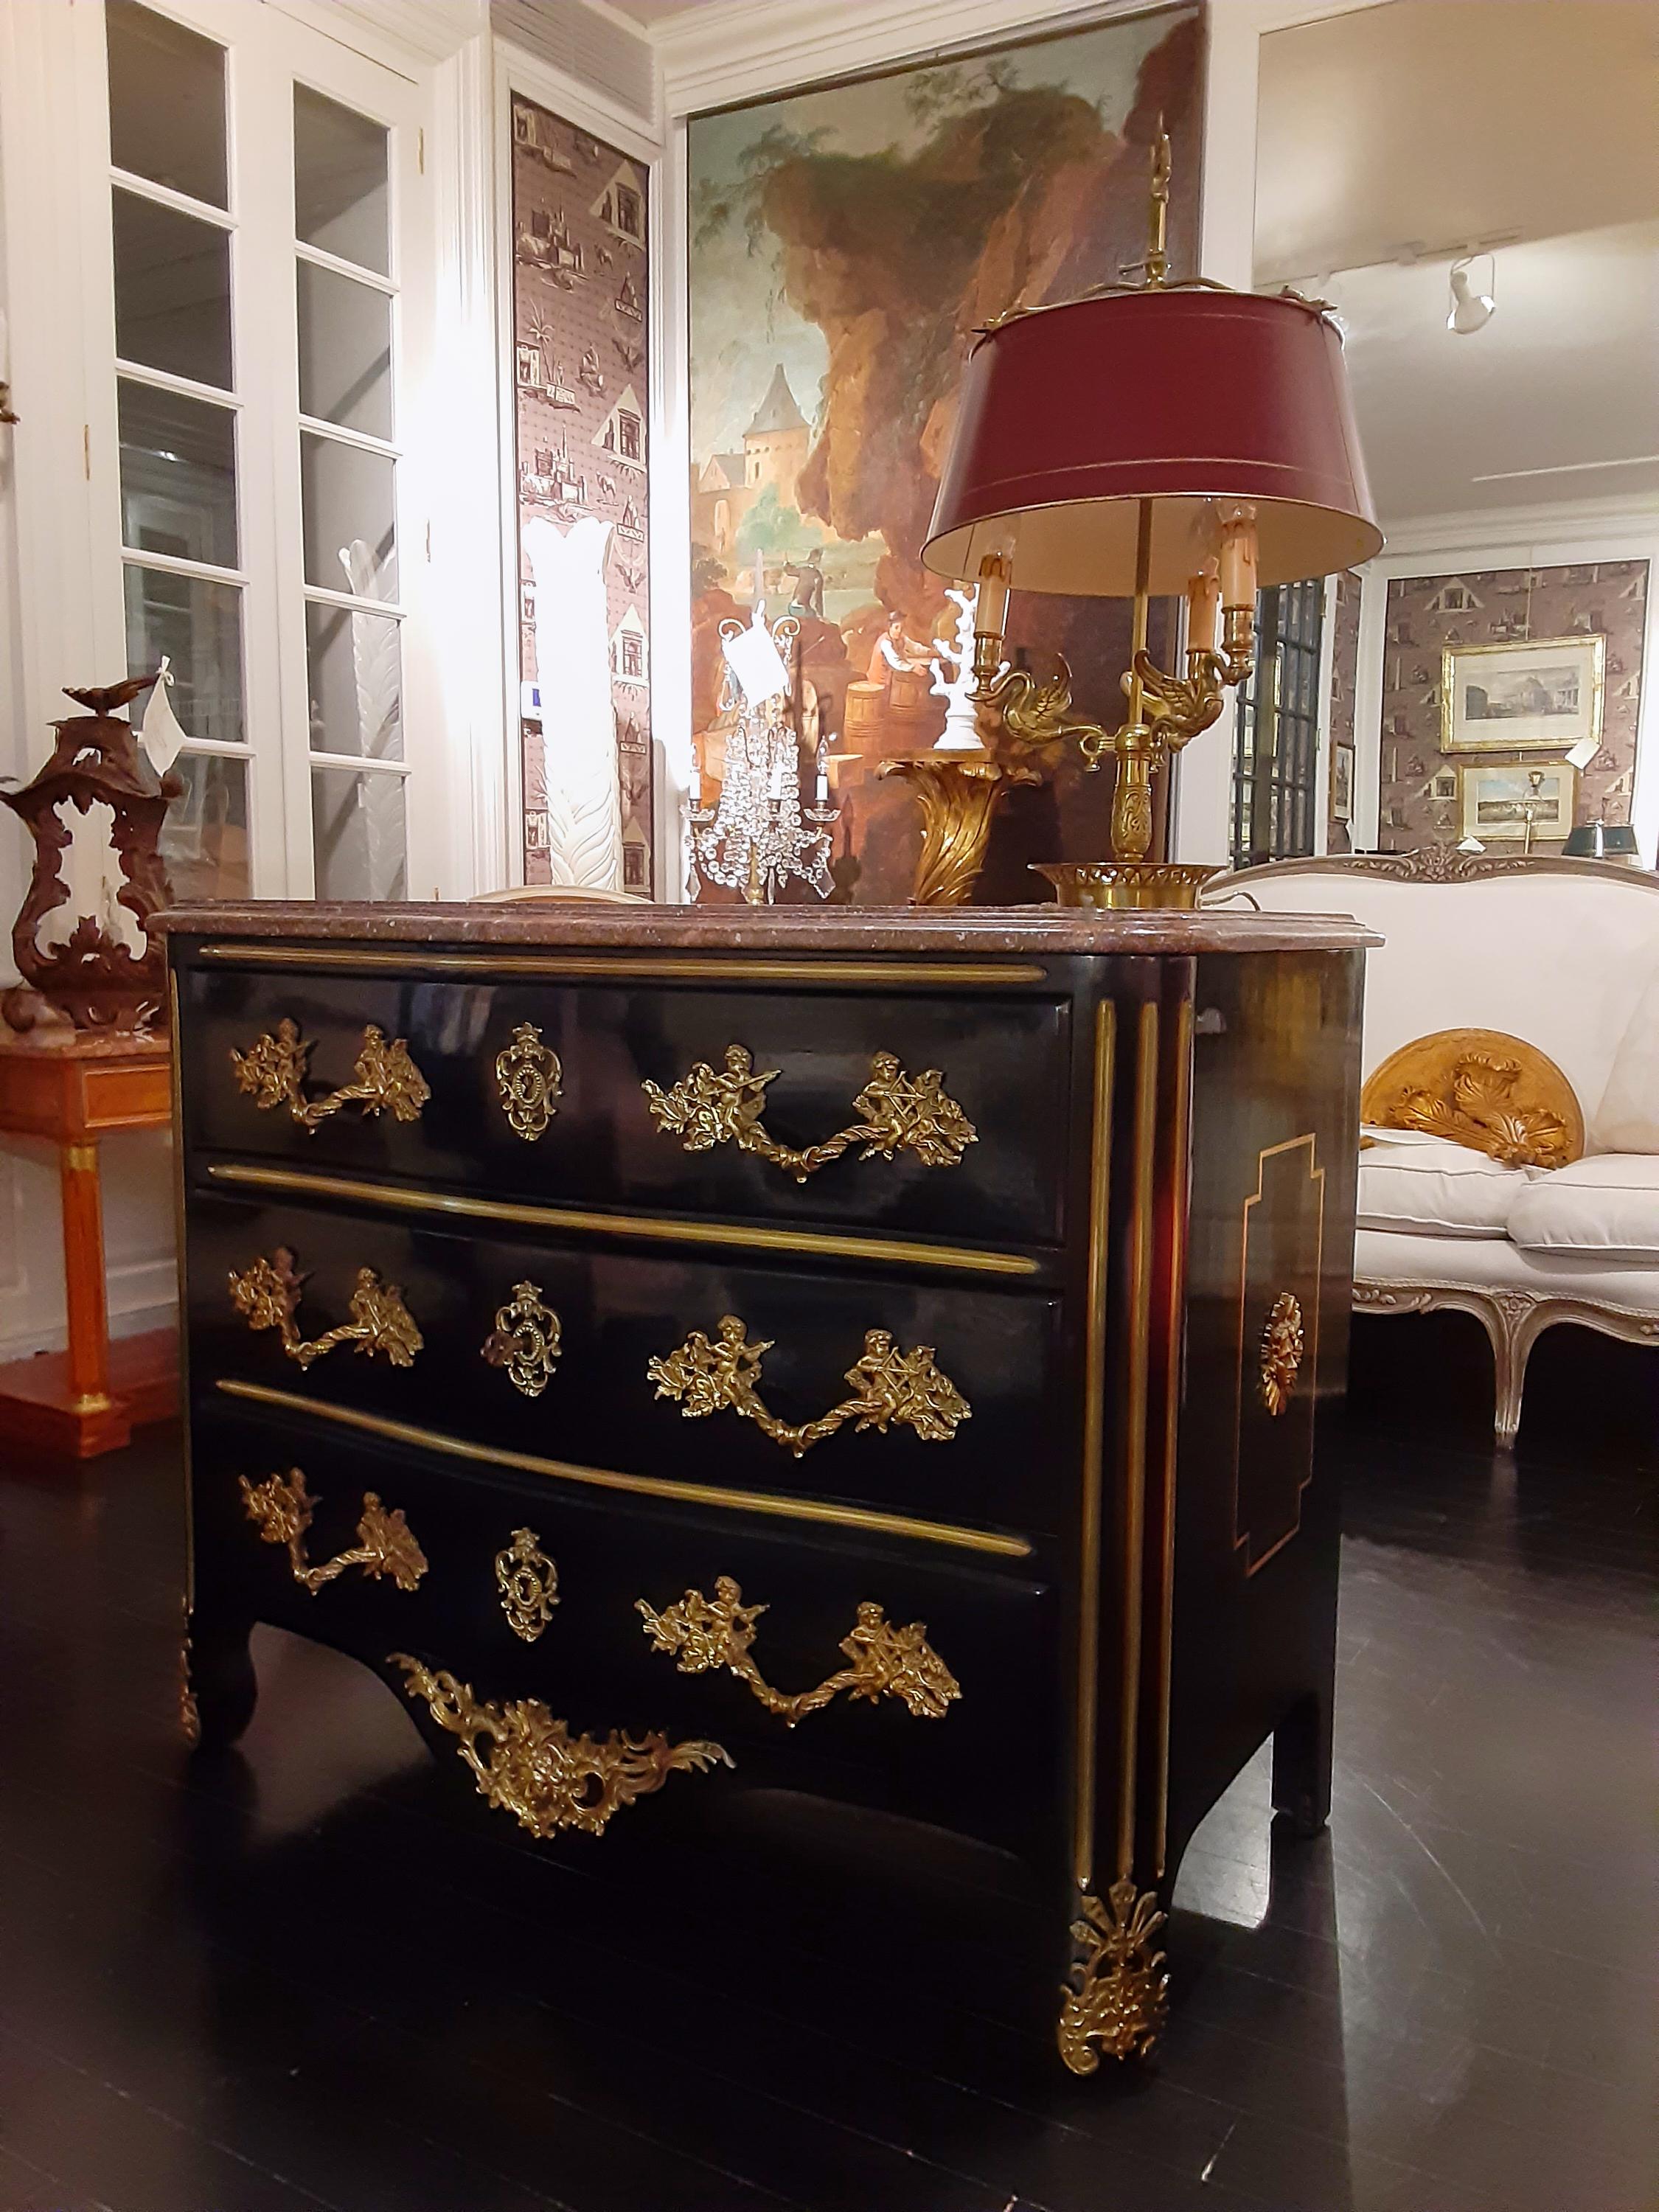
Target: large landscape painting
846 242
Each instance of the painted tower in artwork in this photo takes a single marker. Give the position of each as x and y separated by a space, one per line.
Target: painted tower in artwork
774 444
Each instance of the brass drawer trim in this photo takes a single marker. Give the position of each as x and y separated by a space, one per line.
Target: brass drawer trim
702 968
861 1517
648 1227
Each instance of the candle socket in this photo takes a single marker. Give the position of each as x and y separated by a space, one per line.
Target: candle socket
1238 641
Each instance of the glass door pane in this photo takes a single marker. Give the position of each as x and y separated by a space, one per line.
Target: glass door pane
181 532
172 290
344 324
166 102
340 196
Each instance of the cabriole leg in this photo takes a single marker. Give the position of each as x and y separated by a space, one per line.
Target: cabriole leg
1302 1766
219 1689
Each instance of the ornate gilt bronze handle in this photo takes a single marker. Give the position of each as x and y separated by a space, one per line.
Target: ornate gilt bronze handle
536 1770
886 1661
281 1508
267 1296
529 1082
889 1387
525 1340
272 1071
900 1113
1281 1352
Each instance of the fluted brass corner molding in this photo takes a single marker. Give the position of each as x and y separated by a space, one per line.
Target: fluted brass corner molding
272 1071
529 1082
536 1770
528 1584
886 1661
267 1296
281 1508
1118 1998
1282 1347
525 1340
190 1718
890 1388
901 1114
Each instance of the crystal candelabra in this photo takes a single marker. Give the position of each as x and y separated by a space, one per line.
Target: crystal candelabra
758 836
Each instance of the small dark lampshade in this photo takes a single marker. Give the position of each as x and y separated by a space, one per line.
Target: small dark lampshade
1603 840
1070 416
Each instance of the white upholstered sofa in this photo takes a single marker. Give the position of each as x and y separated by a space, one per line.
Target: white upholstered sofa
1559 956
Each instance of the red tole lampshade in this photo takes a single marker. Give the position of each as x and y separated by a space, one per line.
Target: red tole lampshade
1071 416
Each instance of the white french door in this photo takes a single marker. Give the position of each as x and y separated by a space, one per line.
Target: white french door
270 260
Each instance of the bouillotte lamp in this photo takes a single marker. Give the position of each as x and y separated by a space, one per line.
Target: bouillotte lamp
1145 439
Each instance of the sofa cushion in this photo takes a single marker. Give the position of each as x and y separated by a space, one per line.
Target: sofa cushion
1607 1205
1431 1186
1627 1120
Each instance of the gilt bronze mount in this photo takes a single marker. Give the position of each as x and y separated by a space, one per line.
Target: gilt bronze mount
889 1386
281 1508
533 1767
267 1296
898 1113
272 1073
884 1661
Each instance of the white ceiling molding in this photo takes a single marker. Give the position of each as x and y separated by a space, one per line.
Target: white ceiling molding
1519 530
416 32
588 45
574 102
736 50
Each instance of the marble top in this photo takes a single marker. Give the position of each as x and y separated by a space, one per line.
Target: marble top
799 930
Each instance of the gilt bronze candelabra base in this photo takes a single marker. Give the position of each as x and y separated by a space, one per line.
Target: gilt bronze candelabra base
1126 884
958 793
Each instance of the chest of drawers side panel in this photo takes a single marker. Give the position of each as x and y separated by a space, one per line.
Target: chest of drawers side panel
1251 1639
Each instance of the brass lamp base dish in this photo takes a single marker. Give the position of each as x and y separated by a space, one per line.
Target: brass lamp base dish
1139 883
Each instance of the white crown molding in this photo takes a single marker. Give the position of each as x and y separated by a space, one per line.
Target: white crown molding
574 102
737 50
1518 529
416 32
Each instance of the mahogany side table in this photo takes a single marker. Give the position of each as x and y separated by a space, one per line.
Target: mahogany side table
73 1090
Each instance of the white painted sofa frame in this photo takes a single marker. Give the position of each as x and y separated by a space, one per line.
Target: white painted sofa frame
1514 964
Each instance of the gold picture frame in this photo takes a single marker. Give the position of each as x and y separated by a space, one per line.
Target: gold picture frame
1516 802
1523 694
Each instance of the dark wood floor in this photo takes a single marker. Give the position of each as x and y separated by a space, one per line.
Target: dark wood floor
307 1975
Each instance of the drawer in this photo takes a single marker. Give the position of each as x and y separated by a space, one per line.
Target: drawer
977 1700
979 1163
961 1415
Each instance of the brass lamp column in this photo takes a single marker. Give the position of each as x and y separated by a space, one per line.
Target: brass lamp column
1146 440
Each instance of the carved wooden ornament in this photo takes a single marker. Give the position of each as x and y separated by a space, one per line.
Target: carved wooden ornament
95 978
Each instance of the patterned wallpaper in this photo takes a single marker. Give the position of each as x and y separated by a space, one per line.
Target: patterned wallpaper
579 221
1345 676
1419 805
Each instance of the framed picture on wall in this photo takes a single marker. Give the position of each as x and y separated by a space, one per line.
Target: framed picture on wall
1511 804
1342 783
1522 694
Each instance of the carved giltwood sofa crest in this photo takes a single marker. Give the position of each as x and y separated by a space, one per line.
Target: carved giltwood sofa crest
1511 1060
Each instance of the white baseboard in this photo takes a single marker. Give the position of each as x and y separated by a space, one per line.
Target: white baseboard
142 1295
